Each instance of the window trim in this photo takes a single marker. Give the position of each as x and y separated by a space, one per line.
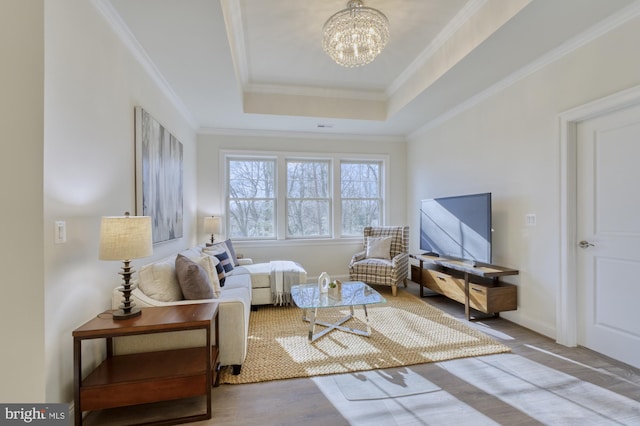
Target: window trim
280 157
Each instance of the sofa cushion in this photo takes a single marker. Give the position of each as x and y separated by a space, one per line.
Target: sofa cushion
209 264
260 275
192 253
158 280
227 246
378 247
193 279
232 252
224 259
221 251
219 269
241 270
238 281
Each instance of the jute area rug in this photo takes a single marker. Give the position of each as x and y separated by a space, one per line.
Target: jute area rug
404 331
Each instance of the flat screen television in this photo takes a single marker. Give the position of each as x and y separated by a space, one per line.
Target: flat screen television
457 227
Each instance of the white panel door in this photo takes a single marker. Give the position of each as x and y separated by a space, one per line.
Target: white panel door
608 202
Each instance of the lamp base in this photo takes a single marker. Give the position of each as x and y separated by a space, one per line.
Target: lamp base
121 314
127 308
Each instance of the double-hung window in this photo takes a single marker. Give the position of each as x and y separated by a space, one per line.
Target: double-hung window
251 185
361 195
308 202
279 196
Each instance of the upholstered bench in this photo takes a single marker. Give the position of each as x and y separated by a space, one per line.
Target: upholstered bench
270 281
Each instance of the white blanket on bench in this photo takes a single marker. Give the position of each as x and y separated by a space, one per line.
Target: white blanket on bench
284 274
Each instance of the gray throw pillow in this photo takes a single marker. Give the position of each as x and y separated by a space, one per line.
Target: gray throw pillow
193 279
232 252
379 247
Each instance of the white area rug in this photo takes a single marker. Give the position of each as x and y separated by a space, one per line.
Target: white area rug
380 384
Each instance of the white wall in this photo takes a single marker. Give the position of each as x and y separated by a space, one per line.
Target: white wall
332 256
22 366
509 145
92 84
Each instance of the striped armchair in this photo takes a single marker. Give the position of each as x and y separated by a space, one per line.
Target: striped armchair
378 271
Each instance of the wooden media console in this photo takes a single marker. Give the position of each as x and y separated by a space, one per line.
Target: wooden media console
476 286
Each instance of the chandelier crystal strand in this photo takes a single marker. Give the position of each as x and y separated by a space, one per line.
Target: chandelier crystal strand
356 35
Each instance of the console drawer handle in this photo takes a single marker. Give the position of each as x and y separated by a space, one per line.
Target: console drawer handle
477 289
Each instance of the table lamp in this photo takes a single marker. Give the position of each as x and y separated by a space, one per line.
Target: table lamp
212 226
125 238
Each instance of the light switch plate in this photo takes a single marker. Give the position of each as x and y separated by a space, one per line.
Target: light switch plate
530 219
60 232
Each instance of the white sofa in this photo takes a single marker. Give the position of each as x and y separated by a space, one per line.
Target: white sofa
270 281
233 315
246 285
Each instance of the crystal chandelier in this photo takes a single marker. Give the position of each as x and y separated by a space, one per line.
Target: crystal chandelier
356 35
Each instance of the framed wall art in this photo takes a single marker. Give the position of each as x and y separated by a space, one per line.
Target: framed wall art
158 177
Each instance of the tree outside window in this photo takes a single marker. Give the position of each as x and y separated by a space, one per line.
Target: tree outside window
252 198
266 192
308 202
361 195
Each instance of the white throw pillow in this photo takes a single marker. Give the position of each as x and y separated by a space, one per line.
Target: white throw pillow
158 280
379 247
207 262
217 247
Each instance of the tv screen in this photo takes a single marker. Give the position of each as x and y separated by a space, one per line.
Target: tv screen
457 227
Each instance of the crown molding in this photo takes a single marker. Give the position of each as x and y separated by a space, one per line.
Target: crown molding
598 30
458 21
232 13
121 29
300 135
364 95
235 32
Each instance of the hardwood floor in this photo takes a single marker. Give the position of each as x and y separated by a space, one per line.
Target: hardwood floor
539 383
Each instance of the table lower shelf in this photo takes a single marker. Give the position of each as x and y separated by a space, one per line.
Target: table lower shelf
147 377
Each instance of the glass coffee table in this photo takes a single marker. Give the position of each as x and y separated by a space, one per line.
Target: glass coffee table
354 293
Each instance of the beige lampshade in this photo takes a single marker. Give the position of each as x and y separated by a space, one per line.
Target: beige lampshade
212 225
125 237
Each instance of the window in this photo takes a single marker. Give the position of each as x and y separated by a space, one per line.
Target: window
277 196
252 198
308 201
361 194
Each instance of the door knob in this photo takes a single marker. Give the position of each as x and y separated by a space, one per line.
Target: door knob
585 244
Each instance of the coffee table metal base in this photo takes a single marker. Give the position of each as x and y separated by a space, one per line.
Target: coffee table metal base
313 321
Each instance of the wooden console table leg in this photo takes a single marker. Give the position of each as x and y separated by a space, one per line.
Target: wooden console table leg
77 378
421 283
467 309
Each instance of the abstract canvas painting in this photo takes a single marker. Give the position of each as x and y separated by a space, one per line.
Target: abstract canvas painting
158 177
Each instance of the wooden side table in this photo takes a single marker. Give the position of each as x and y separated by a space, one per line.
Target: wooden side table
122 380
